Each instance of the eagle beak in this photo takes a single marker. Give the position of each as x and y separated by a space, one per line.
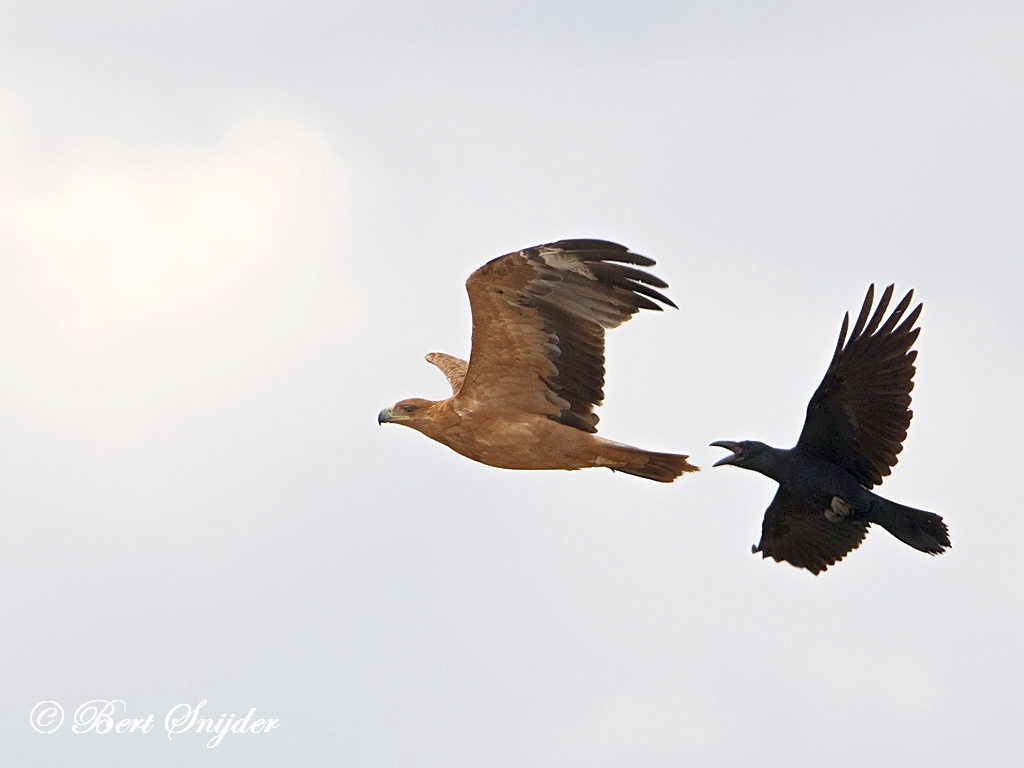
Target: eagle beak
384 416
728 445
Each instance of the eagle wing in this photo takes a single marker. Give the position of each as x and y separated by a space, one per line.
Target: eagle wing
453 368
859 415
795 532
539 317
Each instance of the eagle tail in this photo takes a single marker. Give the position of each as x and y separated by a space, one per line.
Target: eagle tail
662 467
924 531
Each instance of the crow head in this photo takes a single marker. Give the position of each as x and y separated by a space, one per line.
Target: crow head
748 454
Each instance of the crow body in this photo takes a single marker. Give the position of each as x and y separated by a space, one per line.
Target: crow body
855 426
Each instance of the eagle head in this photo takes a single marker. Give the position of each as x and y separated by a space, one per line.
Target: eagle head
407 412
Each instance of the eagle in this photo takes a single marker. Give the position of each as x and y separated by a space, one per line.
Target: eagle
526 398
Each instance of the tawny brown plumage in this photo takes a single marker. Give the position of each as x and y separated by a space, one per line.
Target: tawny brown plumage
526 398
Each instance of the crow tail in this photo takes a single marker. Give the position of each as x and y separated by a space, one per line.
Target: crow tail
924 531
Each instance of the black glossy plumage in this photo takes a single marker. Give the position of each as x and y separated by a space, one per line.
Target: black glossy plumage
859 415
856 422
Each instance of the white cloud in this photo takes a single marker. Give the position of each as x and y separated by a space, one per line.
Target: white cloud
131 277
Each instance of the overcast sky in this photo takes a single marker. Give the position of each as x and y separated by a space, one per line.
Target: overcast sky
228 234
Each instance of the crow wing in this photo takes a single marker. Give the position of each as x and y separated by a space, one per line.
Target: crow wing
795 532
539 318
859 415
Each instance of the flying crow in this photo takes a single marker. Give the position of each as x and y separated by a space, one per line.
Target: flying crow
855 426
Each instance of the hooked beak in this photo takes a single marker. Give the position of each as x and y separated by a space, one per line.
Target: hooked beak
384 416
730 446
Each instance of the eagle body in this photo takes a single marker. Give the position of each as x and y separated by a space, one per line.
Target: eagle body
525 441
526 397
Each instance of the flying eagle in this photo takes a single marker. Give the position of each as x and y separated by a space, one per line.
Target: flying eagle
525 399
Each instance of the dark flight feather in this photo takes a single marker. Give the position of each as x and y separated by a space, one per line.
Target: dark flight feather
859 415
577 289
795 532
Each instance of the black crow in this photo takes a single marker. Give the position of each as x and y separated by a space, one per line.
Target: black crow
856 423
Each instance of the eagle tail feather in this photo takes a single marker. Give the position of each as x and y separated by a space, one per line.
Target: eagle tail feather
661 467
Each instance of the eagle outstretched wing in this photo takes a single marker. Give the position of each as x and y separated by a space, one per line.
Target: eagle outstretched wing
539 318
795 532
453 368
859 415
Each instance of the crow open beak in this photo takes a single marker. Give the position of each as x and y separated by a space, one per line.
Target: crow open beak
728 445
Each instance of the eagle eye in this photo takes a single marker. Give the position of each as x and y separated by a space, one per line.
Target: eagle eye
408 408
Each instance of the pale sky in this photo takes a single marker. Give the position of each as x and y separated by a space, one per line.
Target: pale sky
228 234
